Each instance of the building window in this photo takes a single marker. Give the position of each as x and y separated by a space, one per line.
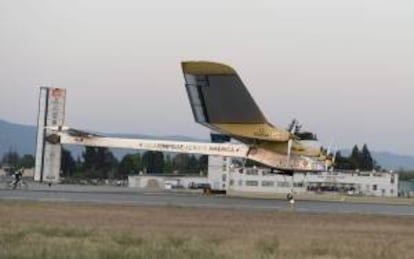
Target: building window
268 183
374 187
252 171
224 177
283 184
298 184
266 171
240 183
252 183
231 182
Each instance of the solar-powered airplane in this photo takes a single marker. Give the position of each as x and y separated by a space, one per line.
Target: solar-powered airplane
219 101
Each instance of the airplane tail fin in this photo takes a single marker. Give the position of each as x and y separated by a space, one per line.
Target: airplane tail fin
218 95
220 101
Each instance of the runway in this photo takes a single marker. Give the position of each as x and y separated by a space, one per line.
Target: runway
131 197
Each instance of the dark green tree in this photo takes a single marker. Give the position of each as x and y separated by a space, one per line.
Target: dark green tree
355 158
180 163
192 167
11 159
203 164
295 126
129 165
98 162
68 164
361 160
153 162
342 162
297 130
27 161
367 162
168 165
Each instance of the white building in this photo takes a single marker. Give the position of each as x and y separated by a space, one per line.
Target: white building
224 175
148 181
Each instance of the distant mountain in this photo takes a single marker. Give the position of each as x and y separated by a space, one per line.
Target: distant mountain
22 139
388 160
17 137
392 161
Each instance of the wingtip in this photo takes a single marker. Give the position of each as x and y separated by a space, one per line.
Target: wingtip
206 68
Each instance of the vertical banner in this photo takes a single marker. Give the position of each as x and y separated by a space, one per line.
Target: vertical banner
40 136
50 117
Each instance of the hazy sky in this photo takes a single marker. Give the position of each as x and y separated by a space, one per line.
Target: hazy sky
345 69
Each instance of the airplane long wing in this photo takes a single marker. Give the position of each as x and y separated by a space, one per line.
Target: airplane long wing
220 101
80 133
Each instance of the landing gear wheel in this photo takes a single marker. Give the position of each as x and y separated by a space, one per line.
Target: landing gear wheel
290 198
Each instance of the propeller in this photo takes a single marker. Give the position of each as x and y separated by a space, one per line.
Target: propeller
331 155
334 157
328 151
290 141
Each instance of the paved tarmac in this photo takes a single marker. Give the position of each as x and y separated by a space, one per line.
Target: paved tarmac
133 197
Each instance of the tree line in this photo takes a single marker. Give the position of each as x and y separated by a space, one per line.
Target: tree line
357 160
14 161
100 163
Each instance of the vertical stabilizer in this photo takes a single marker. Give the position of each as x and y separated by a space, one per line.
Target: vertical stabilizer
220 101
217 95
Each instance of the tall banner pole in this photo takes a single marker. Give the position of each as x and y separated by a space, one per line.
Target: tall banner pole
51 114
